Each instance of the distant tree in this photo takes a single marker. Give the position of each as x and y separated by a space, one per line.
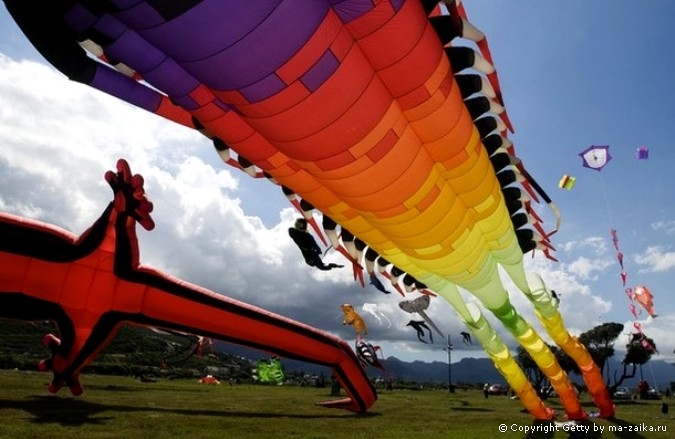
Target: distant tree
565 361
639 351
599 342
531 369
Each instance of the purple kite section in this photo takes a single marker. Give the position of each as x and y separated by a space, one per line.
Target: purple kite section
214 42
350 10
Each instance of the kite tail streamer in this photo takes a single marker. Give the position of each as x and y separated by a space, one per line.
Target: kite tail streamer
589 370
544 358
506 364
552 321
497 351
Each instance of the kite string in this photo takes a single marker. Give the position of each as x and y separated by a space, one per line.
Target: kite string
615 242
610 214
656 385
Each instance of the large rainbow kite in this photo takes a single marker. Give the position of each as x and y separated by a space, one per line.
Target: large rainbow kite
365 110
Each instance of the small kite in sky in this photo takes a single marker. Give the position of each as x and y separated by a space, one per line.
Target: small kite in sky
567 182
466 337
629 293
367 354
642 153
354 319
377 283
644 297
633 310
615 239
420 326
419 305
596 157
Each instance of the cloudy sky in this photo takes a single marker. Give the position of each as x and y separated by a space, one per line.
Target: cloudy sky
591 73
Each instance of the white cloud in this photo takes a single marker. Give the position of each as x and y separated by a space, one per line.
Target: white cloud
595 244
655 259
587 269
668 227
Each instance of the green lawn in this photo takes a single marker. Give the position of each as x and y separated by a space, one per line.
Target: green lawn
121 407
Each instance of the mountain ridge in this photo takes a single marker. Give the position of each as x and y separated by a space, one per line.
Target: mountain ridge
469 371
142 347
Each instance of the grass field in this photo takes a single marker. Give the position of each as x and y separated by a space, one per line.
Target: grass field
121 407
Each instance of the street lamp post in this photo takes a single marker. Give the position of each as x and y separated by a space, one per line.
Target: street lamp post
449 348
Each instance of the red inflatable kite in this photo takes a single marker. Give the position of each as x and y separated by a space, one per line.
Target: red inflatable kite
92 283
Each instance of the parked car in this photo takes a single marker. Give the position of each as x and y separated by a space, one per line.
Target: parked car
653 394
623 393
497 389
